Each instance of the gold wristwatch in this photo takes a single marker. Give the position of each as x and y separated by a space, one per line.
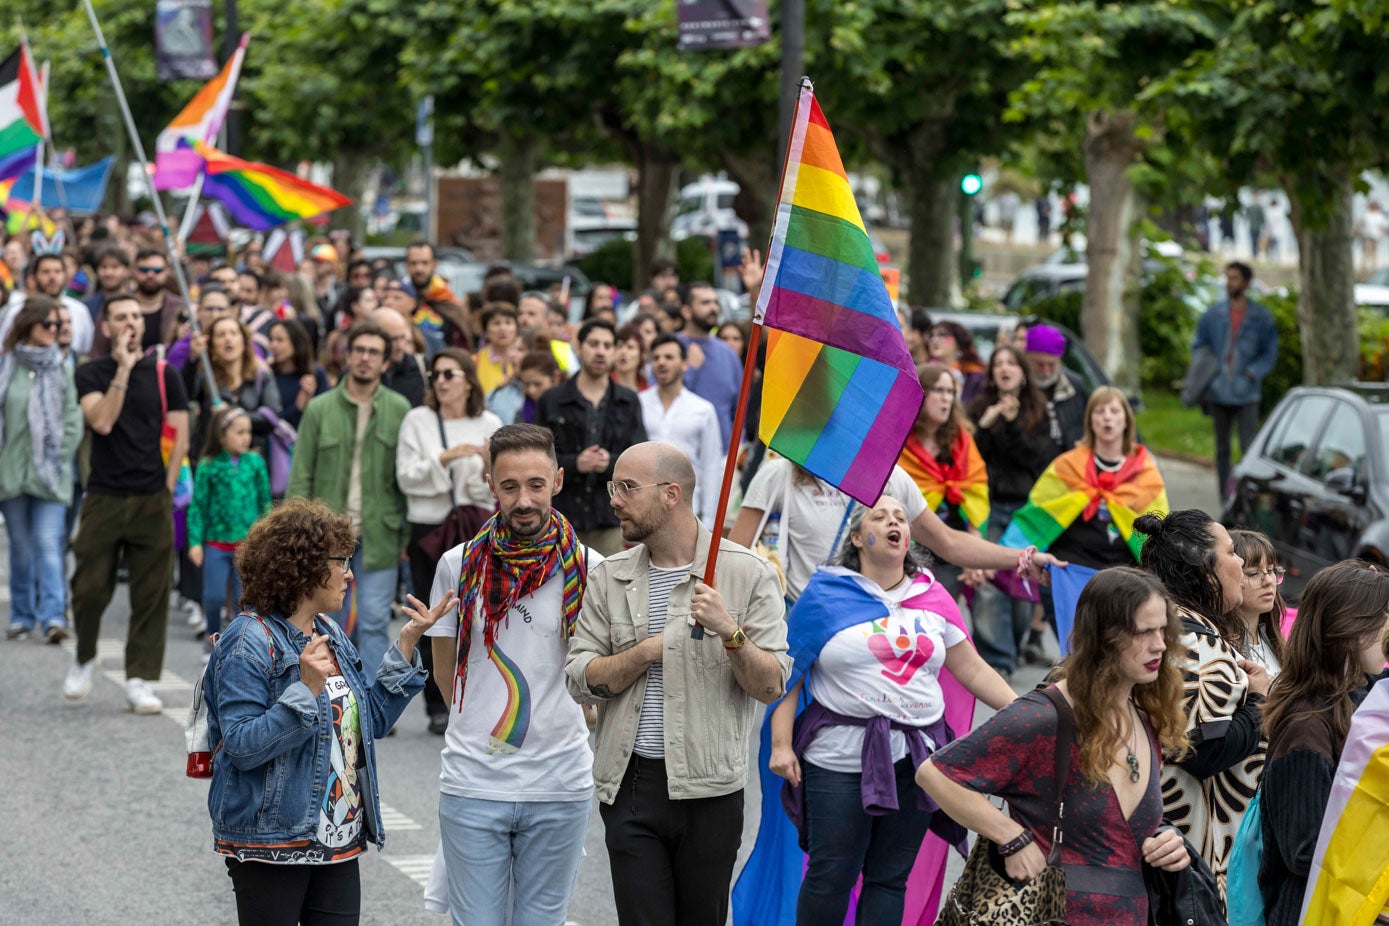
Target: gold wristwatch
736 641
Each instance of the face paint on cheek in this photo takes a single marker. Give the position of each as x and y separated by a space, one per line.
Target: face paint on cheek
871 540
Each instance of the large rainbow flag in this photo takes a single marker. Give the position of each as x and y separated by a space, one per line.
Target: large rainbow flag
839 392
1348 882
261 197
176 165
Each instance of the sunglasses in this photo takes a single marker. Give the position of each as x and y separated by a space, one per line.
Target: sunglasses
447 376
150 269
51 325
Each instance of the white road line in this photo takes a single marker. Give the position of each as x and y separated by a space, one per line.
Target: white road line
414 867
394 821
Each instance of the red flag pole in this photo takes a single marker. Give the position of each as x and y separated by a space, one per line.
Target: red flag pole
740 415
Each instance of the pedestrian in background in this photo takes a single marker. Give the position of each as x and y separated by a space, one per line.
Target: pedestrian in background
1242 337
40 425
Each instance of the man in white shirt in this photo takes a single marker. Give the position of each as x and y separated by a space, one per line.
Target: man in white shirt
676 415
517 771
47 275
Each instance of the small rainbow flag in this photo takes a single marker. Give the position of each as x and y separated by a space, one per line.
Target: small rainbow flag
261 197
840 392
175 165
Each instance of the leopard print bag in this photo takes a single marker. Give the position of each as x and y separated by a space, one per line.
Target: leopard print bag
984 895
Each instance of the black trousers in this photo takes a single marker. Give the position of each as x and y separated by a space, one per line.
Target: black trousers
422 569
672 861
1245 419
287 895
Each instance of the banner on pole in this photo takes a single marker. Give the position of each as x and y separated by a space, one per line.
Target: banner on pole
81 190
708 24
183 39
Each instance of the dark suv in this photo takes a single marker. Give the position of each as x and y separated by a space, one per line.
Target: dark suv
1316 479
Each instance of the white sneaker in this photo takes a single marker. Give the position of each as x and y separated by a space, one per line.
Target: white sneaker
141 699
79 681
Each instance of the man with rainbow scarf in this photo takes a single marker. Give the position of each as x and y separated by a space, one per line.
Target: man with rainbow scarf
516 777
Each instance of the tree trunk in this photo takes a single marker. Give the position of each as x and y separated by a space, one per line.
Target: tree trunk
655 173
932 206
519 157
349 178
1326 287
1109 312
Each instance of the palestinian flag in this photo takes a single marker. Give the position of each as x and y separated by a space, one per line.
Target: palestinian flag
962 484
22 122
1072 487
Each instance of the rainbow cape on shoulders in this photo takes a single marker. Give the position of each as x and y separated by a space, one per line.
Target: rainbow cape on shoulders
1071 487
963 483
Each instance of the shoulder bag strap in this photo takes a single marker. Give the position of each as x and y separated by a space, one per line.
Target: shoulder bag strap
1065 736
444 442
159 366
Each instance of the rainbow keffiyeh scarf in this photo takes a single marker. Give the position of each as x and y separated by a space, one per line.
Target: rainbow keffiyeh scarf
1072 487
962 483
501 570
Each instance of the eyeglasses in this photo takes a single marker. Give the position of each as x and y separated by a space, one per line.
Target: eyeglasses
447 376
375 353
626 489
942 390
342 562
1259 576
143 269
51 324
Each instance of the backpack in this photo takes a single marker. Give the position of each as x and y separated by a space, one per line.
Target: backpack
195 727
1243 899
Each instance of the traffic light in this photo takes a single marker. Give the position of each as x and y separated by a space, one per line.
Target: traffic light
971 183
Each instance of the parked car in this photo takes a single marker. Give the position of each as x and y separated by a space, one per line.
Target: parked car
1375 290
704 208
1316 479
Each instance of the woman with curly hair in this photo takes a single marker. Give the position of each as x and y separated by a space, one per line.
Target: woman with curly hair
1123 687
293 724
1206 792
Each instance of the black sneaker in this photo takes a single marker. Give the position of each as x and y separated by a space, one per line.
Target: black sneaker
438 724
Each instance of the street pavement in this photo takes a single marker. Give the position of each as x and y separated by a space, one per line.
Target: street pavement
102 827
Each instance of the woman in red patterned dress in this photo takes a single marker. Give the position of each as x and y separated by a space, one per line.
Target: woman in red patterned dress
1125 692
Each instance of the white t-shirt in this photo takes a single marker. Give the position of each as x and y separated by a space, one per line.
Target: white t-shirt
887 667
521 737
814 513
692 424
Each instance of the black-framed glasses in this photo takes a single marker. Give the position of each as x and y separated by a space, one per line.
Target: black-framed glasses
374 353
343 563
447 376
626 489
1257 577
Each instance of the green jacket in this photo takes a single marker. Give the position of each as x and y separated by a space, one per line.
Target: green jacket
18 475
227 499
323 465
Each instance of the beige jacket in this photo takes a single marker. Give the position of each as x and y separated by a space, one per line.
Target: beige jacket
708 716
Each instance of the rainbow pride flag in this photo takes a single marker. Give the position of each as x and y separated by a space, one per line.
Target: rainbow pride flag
840 392
1348 882
175 164
261 197
962 484
1071 487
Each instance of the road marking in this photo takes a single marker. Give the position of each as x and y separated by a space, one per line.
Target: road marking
414 867
394 821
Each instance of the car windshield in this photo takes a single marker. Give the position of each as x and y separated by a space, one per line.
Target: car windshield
1378 278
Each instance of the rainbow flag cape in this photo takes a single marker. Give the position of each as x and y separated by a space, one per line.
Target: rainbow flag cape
23 123
1348 882
1071 488
175 164
840 392
962 484
261 197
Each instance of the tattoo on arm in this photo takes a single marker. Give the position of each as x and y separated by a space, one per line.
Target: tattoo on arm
602 691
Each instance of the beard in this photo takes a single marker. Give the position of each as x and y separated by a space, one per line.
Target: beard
512 517
361 380
636 531
149 289
1046 382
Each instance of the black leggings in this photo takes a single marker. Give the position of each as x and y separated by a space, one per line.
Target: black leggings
286 895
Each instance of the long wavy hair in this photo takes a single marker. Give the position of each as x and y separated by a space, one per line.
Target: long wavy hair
1342 606
1032 407
1105 625
1257 552
929 374
248 355
1180 551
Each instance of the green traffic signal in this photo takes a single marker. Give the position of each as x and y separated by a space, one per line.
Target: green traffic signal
971 184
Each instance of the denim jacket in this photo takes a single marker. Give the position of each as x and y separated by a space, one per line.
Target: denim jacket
272 739
1239 379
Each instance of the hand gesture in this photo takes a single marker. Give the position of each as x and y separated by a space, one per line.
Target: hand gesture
1008 406
1166 850
316 664
125 349
593 459
1024 865
785 764
423 617
196 347
308 384
751 270
1258 676
706 607
1036 570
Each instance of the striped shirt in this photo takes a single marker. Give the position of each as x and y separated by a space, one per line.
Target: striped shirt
651 741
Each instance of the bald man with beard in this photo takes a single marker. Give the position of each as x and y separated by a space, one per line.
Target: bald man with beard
406 371
680 668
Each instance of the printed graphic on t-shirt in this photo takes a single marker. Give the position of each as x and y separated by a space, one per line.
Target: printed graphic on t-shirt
901 652
340 816
510 732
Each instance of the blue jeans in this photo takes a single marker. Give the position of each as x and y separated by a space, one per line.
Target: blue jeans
38 575
1000 621
219 571
844 841
531 847
372 593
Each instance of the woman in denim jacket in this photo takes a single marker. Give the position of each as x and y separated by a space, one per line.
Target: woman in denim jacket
293 723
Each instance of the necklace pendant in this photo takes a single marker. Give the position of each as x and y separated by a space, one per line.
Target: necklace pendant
1134 774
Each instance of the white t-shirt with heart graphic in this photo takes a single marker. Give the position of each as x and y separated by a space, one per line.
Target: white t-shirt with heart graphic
888 666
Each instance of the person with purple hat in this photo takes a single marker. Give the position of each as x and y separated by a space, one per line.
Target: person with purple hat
1064 391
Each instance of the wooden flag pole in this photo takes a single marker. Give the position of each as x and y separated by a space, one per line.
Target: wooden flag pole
740 414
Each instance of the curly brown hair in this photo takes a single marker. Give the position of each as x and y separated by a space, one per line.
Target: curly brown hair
285 557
